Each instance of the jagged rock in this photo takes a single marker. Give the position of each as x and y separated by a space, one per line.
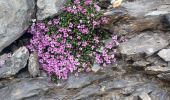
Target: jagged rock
143 8
146 43
144 96
156 60
48 8
25 88
82 80
33 65
157 69
135 26
140 63
165 54
14 19
15 63
164 76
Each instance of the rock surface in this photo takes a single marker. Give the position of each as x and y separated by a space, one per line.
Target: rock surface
157 69
15 63
33 65
14 19
48 8
142 8
165 54
25 89
164 76
145 43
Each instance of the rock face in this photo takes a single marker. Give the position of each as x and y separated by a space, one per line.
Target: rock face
14 19
75 82
15 63
47 8
165 54
33 65
141 8
164 76
145 43
27 88
157 69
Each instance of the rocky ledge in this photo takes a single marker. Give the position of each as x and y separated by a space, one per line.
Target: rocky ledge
142 70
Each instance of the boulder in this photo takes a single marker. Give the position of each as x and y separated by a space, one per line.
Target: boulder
144 8
25 88
146 43
12 65
48 8
14 19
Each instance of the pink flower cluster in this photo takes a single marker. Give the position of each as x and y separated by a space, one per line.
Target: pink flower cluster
67 44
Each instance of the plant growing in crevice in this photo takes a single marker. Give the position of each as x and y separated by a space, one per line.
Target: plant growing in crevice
72 41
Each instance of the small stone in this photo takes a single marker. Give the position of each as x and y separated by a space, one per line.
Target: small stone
14 63
165 54
144 96
95 67
157 69
33 65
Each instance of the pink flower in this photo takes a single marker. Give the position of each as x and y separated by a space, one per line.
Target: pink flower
97 7
88 2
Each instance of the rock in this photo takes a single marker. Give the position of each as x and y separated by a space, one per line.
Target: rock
143 8
14 19
25 88
140 63
144 96
157 69
87 92
33 65
135 26
48 8
165 54
164 76
15 63
156 60
95 68
75 82
145 43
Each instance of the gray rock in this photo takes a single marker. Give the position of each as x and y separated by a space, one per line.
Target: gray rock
86 92
157 69
95 68
25 88
14 19
145 43
140 63
47 8
82 80
15 63
141 8
165 54
164 76
144 96
156 60
33 65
